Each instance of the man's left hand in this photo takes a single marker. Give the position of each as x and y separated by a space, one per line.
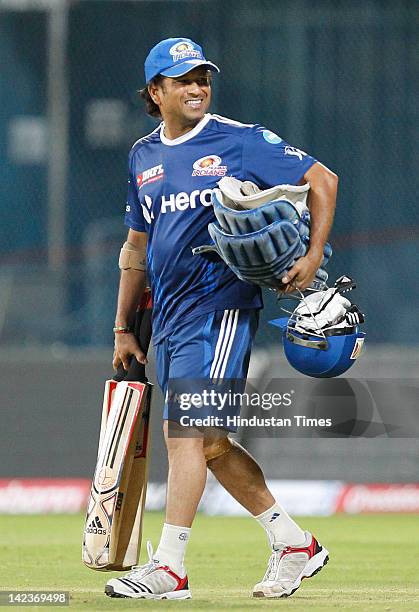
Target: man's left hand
302 273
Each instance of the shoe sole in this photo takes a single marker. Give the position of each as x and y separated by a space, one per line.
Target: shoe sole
110 592
313 566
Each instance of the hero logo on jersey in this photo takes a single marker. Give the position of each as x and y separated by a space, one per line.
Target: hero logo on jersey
183 200
294 151
150 175
209 166
183 49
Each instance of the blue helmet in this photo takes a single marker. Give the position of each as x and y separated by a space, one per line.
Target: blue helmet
322 337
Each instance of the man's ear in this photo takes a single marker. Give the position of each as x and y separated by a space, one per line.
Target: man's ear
153 90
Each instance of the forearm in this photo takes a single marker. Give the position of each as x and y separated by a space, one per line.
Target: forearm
131 288
322 204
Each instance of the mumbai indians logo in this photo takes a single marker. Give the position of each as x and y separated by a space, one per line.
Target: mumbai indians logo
209 166
183 49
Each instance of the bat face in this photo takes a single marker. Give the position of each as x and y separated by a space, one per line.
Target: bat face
132 510
126 403
112 533
112 510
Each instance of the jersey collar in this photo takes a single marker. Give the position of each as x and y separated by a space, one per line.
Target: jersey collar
185 137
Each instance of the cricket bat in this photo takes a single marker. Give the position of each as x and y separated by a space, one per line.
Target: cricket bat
113 527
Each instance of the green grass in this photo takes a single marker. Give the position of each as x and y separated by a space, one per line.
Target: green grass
373 564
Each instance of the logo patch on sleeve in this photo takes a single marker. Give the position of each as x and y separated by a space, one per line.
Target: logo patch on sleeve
271 137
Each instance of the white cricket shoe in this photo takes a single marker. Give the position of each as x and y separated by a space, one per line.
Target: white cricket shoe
289 565
149 581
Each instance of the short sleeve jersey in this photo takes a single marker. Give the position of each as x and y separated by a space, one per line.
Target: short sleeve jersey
169 198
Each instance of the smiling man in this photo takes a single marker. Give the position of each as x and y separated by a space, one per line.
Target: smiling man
204 317
183 101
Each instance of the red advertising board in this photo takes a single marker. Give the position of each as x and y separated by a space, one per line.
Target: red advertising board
364 498
43 495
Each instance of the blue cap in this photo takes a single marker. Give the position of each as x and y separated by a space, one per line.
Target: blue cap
174 57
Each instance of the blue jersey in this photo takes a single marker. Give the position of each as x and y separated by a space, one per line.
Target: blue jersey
169 197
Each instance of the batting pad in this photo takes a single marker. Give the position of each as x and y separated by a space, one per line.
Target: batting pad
264 256
264 246
243 195
245 221
261 234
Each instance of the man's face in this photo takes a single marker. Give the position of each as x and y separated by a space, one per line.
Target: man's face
184 100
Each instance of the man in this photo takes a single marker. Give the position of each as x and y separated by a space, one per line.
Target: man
204 317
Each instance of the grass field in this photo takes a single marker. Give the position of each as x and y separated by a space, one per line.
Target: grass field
373 563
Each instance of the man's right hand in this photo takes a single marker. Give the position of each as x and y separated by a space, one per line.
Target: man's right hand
126 345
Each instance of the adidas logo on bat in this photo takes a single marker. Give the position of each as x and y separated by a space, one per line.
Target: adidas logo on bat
96 527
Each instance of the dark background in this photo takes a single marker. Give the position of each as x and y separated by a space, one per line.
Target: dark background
338 79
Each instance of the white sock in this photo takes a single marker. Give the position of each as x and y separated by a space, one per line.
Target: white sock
280 527
172 547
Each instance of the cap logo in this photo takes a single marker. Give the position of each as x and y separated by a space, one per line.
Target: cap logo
182 50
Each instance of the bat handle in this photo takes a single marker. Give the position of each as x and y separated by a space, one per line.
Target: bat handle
142 331
135 372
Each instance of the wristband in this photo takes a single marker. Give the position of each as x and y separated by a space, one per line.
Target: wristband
122 330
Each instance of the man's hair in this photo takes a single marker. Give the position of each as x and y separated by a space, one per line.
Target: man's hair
151 108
